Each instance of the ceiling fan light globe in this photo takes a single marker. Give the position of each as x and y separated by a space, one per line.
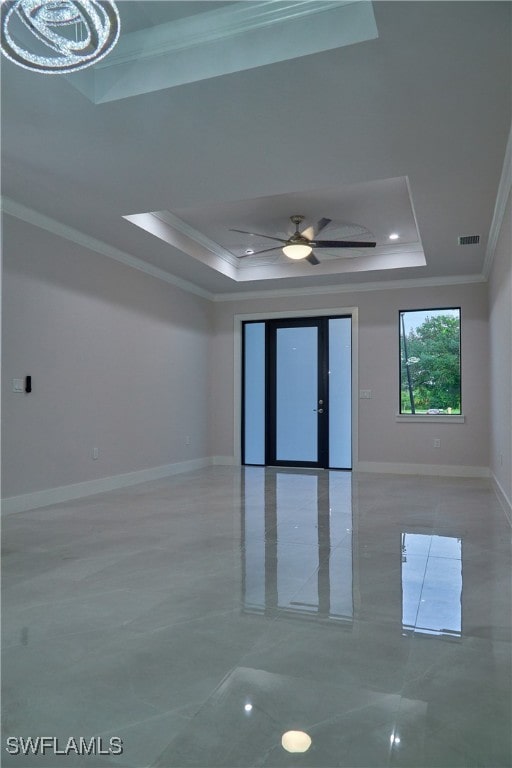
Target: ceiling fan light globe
297 251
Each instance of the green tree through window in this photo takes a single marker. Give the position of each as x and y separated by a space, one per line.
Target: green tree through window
430 361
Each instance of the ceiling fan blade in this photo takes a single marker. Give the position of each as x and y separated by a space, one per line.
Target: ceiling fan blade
341 244
311 232
257 253
312 259
258 234
321 225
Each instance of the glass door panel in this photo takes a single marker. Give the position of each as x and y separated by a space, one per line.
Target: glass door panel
297 397
254 394
340 393
296 418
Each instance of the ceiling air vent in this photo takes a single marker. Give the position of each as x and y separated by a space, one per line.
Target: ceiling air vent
469 239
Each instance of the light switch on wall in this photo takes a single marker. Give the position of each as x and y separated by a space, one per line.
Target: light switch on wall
18 385
365 394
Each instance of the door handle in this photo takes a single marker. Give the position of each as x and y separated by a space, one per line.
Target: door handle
320 410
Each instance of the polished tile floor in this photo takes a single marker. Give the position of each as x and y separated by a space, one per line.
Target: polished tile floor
199 618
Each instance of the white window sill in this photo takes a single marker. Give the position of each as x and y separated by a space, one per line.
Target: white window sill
431 418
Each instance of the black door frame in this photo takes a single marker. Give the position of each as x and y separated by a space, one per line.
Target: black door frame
271 328
271 324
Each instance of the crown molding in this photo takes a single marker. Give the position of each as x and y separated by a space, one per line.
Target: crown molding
194 234
385 285
30 216
22 212
223 23
236 37
499 209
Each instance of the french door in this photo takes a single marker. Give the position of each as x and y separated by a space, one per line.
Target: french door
297 392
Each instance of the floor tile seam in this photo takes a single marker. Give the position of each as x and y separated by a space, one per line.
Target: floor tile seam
201 702
304 585
183 549
434 557
258 649
175 712
286 542
154 590
63 562
339 718
444 728
95 592
72 599
80 558
138 698
46 640
420 676
110 627
179 622
77 581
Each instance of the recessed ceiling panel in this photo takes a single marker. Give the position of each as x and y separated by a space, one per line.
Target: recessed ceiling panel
227 38
380 211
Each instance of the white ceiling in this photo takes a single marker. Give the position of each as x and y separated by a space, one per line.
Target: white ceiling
404 132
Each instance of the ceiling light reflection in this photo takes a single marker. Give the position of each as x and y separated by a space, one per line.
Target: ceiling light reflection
296 741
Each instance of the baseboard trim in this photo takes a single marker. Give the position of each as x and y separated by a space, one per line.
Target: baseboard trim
27 501
504 500
222 461
439 470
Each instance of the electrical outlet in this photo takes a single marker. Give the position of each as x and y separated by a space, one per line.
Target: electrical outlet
365 394
437 443
187 440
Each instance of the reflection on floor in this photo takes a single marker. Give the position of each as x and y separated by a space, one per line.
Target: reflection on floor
432 584
200 618
313 511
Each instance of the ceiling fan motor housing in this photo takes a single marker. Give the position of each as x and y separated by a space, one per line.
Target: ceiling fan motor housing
297 238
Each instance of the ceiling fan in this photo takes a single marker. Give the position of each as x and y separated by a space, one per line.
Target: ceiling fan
300 244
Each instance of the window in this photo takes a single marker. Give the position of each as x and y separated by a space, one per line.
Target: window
430 361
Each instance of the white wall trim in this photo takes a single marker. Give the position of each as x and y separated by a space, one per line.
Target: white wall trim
384 285
18 211
439 470
426 418
499 209
50 496
62 493
504 500
353 312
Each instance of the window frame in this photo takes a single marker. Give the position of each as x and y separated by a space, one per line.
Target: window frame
421 417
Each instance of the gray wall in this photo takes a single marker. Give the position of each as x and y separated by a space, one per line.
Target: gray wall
381 438
132 365
119 361
500 348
